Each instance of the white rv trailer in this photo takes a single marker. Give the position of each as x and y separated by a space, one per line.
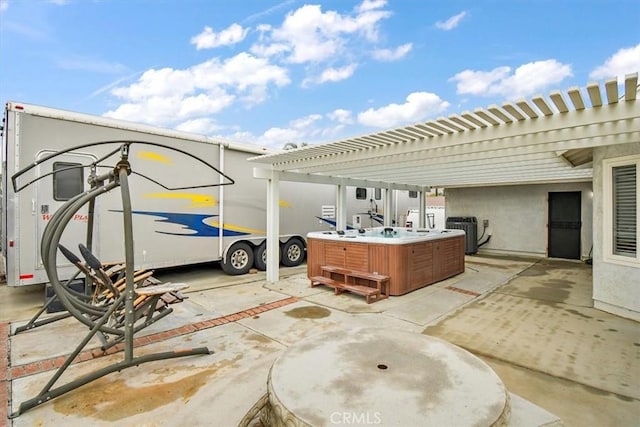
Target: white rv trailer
172 227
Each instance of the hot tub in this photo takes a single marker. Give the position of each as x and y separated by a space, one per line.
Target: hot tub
412 258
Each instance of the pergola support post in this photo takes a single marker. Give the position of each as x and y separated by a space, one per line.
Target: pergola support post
341 207
422 201
389 194
273 227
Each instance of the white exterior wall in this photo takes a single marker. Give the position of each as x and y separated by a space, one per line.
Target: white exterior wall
517 215
616 287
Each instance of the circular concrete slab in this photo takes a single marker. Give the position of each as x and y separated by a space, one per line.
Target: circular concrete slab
382 377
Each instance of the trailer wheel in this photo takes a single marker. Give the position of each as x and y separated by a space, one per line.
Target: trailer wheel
239 259
292 252
260 256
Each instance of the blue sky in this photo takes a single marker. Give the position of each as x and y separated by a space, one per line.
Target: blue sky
274 72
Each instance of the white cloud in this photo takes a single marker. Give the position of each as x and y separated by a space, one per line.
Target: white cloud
310 35
168 96
341 116
305 122
298 131
392 54
451 23
4 5
240 71
331 131
251 71
368 5
208 39
369 15
59 2
202 126
167 111
528 79
310 129
419 106
479 82
240 136
332 75
622 62
201 104
276 137
269 49
165 82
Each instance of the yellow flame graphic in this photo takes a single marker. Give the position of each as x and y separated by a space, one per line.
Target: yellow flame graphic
233 227
197 200
150 155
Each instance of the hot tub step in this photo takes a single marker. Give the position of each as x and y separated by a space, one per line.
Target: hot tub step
365 291
322 280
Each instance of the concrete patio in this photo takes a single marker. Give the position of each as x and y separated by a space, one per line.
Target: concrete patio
531 320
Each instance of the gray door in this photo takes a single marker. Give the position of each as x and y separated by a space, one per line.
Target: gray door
564 224
53 191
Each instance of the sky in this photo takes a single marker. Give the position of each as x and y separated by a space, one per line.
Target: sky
278 72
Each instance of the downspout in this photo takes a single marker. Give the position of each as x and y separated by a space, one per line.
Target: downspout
221 202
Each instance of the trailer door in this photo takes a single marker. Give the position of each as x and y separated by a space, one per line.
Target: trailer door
53 191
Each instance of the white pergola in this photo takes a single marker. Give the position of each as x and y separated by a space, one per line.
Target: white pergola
544 140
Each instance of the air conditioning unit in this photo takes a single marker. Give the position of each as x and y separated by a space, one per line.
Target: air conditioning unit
469 224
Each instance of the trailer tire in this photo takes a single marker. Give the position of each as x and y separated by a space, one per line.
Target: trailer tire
260 256
292 252
239 259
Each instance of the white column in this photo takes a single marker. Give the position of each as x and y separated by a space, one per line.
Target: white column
388 206
421 209
273 228
341 207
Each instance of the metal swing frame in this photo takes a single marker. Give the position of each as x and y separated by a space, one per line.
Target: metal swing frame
97 318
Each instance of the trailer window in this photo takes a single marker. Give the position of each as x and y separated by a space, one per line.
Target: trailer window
361 193
67 183
378 194
413 194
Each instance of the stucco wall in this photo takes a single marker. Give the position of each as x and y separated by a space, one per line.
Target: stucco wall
616 288
517 215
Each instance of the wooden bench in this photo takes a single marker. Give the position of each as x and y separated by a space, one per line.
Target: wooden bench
351 281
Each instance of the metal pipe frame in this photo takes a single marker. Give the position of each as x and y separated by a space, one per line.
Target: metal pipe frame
97 317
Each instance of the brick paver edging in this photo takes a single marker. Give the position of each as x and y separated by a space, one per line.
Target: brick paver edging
8 373
4 368
463 291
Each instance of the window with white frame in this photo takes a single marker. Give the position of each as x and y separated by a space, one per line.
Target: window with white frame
621 215
378 194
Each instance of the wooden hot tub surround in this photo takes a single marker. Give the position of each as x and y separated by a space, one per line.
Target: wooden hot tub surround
410 263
